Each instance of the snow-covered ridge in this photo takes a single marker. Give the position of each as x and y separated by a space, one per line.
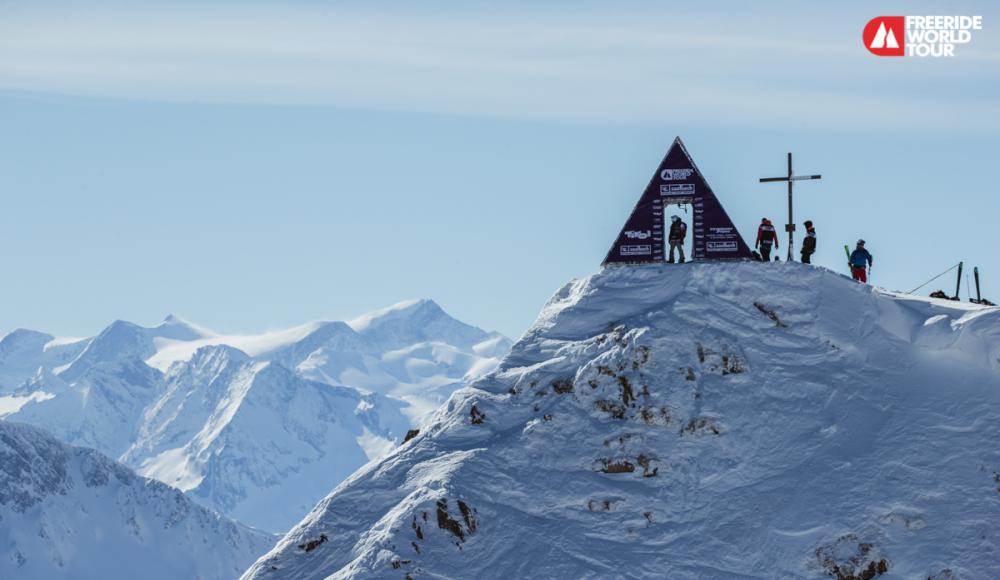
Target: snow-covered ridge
70 512
722 420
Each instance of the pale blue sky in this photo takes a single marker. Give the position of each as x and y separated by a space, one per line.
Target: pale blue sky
251 166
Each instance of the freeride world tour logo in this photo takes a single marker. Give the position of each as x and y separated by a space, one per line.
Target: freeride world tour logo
923 36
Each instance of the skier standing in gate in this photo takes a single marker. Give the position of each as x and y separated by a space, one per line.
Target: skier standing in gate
808 244
766 237
678 231
861 260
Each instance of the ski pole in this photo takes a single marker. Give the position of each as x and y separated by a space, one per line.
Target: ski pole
975 273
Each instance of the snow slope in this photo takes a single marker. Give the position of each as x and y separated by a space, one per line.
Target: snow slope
715 420
69 512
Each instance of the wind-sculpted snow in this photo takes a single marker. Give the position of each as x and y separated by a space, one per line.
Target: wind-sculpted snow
69 512
718 420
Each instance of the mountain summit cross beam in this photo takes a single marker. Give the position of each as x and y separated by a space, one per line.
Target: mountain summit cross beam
791 178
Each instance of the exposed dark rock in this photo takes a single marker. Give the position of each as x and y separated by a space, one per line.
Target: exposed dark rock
562 386
770 313
311 545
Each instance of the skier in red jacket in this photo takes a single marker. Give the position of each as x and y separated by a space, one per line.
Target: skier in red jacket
766 237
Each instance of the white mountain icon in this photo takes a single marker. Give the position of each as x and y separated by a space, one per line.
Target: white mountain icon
884 38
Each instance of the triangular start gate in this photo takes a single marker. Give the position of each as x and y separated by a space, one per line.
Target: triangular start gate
677 180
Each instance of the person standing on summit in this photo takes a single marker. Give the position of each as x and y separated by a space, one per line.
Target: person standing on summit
766 237
678 231
860 258
808 244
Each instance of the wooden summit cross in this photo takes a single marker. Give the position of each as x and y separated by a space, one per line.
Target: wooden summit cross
790 178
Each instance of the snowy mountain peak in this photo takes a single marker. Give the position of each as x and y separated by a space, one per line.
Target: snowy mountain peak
22 338
396 311
119 341
20 353
124 340
176 328
217 355
722 420
416 321
330 334
23 352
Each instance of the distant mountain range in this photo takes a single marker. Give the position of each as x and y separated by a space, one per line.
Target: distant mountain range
70 512
258 427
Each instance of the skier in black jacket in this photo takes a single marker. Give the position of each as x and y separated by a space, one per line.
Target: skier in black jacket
808 244
678 230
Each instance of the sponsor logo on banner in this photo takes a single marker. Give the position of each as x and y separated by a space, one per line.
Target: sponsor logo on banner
721 246
724 231
678 199
637 235
637 250
675 174
677 189
921 36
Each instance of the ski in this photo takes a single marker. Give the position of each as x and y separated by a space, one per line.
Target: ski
958 282
848 252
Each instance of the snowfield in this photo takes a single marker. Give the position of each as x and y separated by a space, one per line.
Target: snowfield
69 513
710 420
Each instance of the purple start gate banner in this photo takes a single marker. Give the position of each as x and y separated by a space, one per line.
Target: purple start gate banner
677 180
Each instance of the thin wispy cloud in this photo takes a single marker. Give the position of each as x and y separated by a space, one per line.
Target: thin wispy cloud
617 67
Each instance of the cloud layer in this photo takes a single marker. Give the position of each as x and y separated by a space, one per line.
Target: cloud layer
639 65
